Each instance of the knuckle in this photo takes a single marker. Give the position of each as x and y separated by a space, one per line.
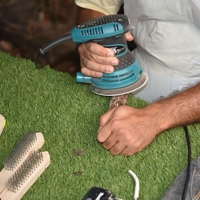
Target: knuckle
83 70
80 48
90 46
87 72
114 123
106 145
102 120
86 62
81 61
137 146
92 57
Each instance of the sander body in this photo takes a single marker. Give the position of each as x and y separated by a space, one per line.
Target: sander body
108 31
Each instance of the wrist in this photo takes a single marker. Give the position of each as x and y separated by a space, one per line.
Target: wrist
160 118
88 14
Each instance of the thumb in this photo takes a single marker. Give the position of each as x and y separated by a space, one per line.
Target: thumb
129 37
104 131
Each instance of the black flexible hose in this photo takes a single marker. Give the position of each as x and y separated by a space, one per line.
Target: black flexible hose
185 190
51 45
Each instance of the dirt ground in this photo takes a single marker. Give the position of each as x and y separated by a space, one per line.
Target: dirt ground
27 26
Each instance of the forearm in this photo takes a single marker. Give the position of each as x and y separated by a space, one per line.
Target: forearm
180 109
87 14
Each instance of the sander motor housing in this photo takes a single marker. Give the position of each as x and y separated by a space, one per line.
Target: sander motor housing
108 31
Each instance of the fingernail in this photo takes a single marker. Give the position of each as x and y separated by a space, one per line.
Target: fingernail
109 69
99 74
114 62
100 127
110 53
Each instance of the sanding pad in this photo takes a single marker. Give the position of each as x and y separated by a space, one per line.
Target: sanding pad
133 88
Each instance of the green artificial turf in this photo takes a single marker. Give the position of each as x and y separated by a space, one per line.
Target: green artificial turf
67 113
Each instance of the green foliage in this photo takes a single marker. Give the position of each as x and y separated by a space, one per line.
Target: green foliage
67 113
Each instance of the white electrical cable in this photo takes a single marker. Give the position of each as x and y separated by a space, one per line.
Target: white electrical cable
137 184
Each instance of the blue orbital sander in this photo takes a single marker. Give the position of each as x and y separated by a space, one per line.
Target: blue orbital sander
108 31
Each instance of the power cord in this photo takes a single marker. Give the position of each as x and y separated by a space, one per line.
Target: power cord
185 190
137 185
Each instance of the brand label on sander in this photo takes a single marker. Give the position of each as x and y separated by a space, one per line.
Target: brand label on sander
118 49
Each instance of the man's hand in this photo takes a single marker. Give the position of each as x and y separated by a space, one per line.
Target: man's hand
96 59
126 130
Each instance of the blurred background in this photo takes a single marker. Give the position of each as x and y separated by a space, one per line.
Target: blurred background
26 26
